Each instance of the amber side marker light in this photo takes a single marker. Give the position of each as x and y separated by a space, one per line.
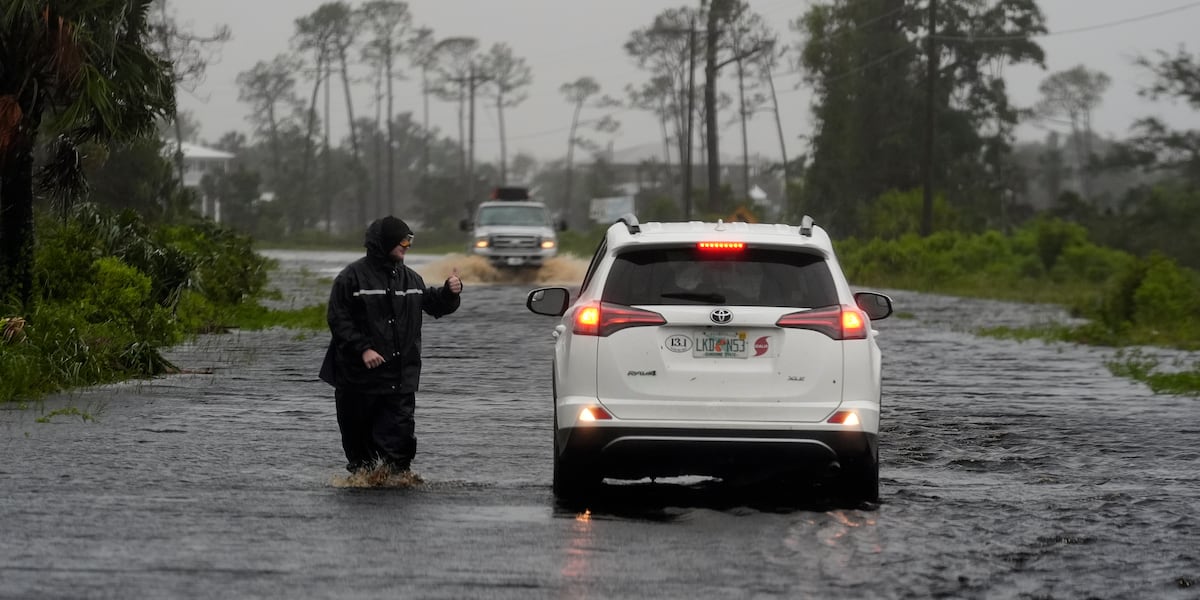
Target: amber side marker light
845 417
594 413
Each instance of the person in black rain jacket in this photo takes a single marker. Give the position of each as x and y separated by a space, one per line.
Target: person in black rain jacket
374 357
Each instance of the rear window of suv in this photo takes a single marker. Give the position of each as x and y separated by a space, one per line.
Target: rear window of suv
752 277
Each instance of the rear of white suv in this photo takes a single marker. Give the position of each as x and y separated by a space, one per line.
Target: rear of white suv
718 349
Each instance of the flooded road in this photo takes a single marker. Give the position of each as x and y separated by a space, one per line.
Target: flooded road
1009 470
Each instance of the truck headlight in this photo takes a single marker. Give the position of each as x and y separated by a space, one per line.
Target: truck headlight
548 244
481 243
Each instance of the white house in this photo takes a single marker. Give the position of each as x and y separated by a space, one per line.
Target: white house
197 161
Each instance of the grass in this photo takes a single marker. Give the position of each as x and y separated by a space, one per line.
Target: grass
1146 369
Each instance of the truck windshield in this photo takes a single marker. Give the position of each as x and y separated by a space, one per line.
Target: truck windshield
513 215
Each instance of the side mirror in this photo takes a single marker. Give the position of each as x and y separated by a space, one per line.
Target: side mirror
464 225
561 224
551 302
877 306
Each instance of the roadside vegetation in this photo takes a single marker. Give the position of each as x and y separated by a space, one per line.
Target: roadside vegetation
110 291
1127 300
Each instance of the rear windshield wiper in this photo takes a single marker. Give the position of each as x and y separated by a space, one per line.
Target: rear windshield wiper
709 297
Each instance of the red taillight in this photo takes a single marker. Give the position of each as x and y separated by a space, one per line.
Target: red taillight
721 246
594 413
845 417
837 322
604 319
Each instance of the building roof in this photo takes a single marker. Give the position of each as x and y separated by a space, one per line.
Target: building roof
202 152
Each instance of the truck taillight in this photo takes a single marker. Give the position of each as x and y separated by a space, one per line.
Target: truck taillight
837 322
604 319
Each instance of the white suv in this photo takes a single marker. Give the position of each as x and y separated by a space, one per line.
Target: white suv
715 349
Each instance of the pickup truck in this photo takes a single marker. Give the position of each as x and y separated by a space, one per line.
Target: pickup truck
512 230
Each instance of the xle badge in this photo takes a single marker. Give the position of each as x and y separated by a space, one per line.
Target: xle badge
679 343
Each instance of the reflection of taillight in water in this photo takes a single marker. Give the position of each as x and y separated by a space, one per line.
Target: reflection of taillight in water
837 322
603 319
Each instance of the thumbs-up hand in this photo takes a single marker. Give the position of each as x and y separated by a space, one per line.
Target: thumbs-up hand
453 282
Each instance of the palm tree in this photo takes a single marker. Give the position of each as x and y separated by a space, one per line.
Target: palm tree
79 72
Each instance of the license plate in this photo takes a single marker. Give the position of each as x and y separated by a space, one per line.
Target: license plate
732 345
515 261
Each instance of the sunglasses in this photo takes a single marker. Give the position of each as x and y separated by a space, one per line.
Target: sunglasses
407 241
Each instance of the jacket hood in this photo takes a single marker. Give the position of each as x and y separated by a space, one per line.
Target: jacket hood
383 235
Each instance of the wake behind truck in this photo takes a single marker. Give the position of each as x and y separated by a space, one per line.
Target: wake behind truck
512 230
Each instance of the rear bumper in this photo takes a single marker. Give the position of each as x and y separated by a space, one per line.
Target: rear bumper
637 452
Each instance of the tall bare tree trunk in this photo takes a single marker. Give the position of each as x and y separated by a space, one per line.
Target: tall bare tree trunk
471 142
378 137
503 143
425 126
308 135
779 129
712 35
362 200
391 134
745 141
325 189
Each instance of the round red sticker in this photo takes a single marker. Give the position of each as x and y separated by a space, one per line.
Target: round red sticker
761 346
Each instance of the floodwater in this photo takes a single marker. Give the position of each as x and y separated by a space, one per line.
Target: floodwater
1009 470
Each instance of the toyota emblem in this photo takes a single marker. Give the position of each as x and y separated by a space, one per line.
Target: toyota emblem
721 316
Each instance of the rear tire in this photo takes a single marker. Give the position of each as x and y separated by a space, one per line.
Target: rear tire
571 481
860 479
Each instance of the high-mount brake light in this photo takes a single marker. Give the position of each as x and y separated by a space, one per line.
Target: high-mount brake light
721 246
604 319
837 322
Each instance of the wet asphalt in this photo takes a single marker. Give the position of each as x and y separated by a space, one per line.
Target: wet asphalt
1009 470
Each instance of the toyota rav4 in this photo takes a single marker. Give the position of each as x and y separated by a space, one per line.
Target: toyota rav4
727 350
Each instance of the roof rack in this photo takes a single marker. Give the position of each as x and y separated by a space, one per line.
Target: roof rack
631 223
510 193
806 226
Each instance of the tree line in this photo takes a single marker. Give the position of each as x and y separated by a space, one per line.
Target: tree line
908 100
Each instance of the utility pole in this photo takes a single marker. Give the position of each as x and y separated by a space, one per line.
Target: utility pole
930 116
713 165
691 111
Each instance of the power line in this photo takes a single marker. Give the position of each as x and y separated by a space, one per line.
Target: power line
1001 38
559 129
858 25
858 69
1110 24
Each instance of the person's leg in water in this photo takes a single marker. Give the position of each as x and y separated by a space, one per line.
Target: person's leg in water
394 429
353 417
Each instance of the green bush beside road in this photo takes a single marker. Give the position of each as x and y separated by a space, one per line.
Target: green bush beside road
112 291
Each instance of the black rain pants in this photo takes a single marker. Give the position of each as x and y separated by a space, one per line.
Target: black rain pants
377 428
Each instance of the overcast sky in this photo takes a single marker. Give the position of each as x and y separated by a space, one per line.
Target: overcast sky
563 40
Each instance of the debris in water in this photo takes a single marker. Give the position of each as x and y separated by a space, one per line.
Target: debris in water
378 477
